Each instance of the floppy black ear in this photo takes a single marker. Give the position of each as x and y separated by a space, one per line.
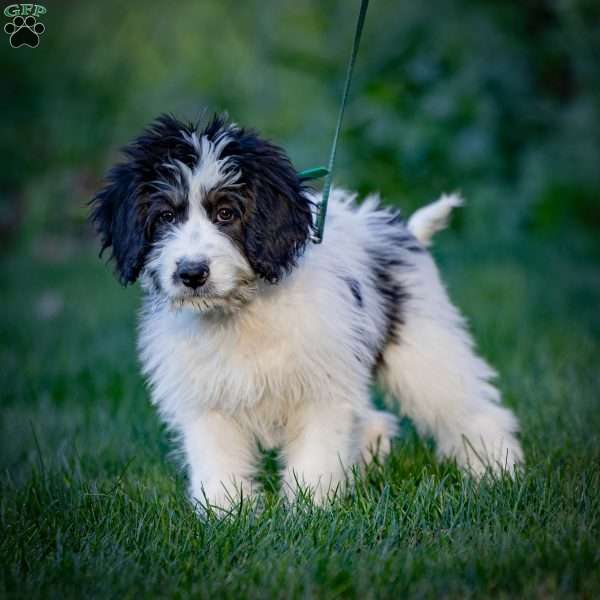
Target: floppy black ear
116 215
279 223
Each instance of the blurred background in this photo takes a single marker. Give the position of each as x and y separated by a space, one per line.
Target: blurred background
500 100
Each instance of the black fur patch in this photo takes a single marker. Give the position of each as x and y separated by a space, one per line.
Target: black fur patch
399 235
277 226
407 240
155 280
385 269
392 295
355 290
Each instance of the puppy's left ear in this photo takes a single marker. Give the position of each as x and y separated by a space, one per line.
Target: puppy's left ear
280 222
116 215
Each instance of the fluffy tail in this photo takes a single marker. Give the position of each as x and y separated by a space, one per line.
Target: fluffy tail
430 219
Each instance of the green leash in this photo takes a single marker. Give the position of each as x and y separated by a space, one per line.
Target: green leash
319 172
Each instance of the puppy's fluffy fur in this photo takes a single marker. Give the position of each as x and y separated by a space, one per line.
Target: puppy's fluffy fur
250 333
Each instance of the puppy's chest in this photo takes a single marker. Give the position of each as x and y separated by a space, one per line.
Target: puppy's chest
231 366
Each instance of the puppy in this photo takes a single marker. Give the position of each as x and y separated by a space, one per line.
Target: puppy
250 333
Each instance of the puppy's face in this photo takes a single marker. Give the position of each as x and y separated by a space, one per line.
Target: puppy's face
201 215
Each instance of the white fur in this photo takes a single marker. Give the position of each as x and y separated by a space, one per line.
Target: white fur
290 366
430 219
211 170
441 383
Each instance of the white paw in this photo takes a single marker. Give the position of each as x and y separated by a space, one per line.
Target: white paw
502 455
378 430
220 496
321 487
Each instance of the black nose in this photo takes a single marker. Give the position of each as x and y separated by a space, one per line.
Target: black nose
193 274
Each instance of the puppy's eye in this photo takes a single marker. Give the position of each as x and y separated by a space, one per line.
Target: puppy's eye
224 215
167 216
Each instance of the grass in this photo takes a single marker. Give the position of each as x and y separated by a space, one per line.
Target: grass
92 501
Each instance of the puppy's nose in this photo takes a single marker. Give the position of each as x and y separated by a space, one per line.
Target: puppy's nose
193 274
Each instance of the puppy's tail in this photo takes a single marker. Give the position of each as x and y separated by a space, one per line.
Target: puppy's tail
430 219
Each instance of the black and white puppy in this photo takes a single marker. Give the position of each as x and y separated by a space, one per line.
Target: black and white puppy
250 333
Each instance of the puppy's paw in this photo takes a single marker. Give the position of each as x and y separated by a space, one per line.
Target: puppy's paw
378 430
500 454
220 497
320 488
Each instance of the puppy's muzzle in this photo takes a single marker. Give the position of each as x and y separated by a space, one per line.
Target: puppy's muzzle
193 274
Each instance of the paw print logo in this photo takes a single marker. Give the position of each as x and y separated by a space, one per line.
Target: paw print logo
24 31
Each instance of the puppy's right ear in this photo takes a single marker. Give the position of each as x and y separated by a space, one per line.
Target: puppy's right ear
117 216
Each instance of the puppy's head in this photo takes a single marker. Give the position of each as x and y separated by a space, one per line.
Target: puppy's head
202 214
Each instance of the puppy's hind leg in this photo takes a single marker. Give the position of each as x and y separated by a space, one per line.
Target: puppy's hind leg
431 368
377 429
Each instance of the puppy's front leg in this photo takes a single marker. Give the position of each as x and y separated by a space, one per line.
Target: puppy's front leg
321 444
220 458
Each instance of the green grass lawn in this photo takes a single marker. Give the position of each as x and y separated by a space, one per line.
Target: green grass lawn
93 502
